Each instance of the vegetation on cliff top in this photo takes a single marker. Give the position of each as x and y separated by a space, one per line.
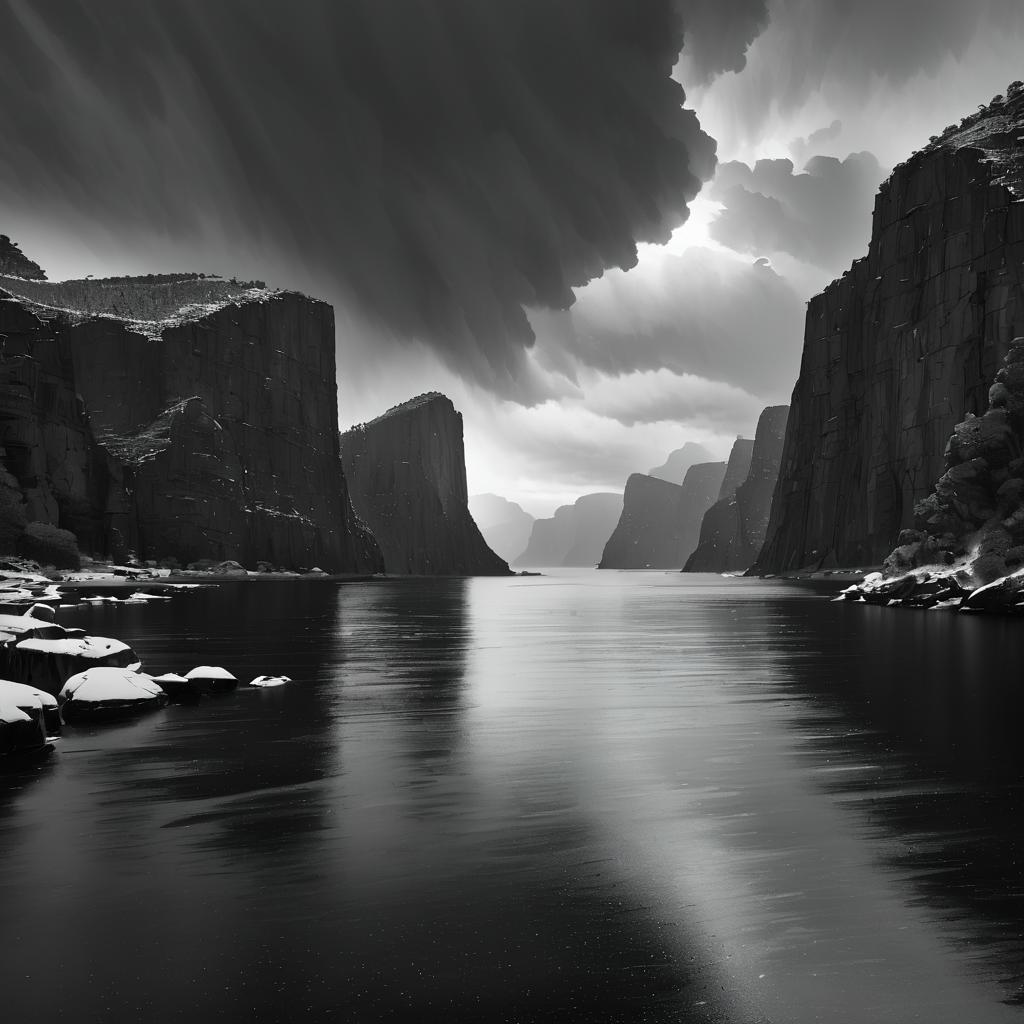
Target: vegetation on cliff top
149 298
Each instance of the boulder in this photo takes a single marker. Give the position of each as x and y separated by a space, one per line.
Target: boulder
108 691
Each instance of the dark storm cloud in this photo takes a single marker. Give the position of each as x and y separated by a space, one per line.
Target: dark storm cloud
446 162
847 49
718 34
821 216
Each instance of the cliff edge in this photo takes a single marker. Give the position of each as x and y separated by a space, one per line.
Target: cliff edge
176 417
406 473
906 343
733 529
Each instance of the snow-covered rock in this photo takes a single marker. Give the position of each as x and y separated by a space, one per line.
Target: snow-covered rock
29 717
267 681
109 690
212 678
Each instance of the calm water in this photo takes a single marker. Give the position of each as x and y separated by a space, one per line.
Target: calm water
583 797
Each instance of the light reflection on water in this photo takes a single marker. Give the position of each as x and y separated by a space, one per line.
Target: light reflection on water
588 796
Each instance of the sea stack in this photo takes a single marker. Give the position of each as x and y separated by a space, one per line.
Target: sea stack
175 417
660 521
406 472
733 529
903 346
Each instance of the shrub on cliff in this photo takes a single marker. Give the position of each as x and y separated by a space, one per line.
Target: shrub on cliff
50 545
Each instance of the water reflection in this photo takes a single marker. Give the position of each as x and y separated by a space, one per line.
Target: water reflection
599 797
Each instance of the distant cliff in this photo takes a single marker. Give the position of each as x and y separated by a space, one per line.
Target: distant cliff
738 466
504 524
660 521
406 472
575 535
674 468
205 432
733 529
903 346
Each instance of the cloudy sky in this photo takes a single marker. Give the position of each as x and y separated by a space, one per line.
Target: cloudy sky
593 223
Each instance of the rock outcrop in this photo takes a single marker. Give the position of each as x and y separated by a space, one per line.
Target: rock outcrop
660 521
674 468
734 528
406 472
14 263
504 524
903 346
575 535
210 433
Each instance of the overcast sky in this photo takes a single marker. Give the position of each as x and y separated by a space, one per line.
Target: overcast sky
593 223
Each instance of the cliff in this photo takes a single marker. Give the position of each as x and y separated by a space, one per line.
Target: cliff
738 466
734 528
647 533
674 468
660 521
14 263
206 432
903 346
406 472
504 524
575 535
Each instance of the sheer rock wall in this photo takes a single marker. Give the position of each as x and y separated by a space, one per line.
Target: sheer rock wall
899 349
406 472
212 435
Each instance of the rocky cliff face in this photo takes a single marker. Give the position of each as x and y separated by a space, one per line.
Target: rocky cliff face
906 343
738 466
210 434
647 533
14 263
504 524
660 521
406 472
734 528
575 535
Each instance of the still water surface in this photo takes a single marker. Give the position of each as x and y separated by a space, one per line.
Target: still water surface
582 797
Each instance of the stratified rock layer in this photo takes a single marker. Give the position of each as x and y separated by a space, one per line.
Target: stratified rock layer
660 521
575 535
899 349
406 472
734 528
210 435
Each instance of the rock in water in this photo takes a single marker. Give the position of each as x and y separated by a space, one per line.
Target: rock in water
267 682
29 717
575 535
109 691
212 678
734 528
660 521
176 417
406 472
903 346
